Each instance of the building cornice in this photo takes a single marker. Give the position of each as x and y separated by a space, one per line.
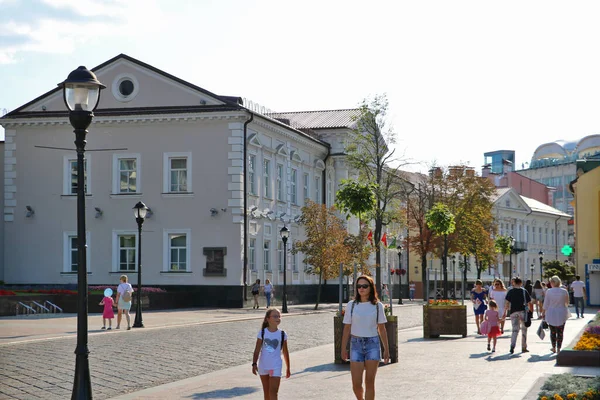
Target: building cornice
293 135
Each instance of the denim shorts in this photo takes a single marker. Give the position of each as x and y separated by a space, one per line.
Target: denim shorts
365 349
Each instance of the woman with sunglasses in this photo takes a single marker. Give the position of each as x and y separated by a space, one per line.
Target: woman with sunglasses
498 294
364 325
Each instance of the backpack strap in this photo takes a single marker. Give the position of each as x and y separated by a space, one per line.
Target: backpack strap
352 309
282 337
377 318
262 334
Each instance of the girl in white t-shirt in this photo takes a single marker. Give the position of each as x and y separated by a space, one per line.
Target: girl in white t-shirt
364 325
270 344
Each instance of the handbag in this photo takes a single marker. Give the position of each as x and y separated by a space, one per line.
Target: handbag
528 314
544 324
541 332
484 327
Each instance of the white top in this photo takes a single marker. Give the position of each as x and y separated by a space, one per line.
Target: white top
124 287
363 319
499 297
268 288
577 287
555 306
270 353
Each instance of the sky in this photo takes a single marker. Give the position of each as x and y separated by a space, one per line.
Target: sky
462 77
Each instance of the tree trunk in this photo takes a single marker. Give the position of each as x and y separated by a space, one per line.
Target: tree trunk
319 289
478 266
464 275
445 264
424 277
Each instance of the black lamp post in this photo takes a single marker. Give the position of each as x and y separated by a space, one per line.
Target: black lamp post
454 275
81 93
139 211
400 248
541 254
285 233
532 269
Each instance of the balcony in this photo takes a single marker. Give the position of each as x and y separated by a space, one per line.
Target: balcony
519 247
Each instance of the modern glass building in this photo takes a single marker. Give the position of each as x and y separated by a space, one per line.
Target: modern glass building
495 159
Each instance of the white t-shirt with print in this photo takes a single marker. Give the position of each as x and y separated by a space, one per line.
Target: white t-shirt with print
270 354
364 318
577 287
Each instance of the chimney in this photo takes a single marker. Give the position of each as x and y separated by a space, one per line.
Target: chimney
507 166
435 172
470 172
485 170
455 171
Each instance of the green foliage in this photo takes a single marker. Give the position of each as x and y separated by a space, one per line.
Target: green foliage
555 267
502 244
440 220
355 198
564 384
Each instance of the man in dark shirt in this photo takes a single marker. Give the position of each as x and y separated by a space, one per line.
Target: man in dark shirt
518 302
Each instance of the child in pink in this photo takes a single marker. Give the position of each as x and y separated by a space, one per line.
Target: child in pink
493 318
108 313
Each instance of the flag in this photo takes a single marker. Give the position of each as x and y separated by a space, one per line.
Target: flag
384 240
370 237
393 243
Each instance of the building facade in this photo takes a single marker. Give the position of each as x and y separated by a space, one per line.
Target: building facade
180 149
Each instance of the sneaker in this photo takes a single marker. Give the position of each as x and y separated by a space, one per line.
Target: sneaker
128 328
494 350
118 327
524 351
502 331
553 350
109 328
488 347
103 327
512 350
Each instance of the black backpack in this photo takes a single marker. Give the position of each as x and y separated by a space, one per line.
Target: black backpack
262 336
352 311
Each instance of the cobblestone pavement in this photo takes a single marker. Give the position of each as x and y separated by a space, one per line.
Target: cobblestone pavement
127 361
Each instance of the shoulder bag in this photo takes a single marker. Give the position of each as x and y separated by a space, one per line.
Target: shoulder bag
528 314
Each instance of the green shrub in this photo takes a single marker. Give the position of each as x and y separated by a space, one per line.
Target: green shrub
564 384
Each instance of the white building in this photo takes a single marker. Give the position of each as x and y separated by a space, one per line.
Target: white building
180 149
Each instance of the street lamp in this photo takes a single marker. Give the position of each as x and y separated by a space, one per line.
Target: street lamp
81 94
541 254
400 248
532 269
139 211
454 275
285 233
512 247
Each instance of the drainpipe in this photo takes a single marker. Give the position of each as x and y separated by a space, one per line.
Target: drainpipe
324 183
556 235
245 164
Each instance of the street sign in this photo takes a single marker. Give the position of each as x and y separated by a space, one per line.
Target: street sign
593 267
567 250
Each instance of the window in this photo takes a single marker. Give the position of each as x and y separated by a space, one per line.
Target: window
177 252
267 178
527 233
267 255
70 258
280 255
294 262
70 176
318 190
306 183
126 173
280 192
546 234
329 202
215 261
251 174
178 175
294 185
552 234
127 251
252 254
540 235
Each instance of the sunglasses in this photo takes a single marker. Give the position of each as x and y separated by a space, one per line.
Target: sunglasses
365 286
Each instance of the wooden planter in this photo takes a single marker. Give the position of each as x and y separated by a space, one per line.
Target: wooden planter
444 320
392 333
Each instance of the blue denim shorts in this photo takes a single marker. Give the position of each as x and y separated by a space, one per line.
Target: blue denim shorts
365 349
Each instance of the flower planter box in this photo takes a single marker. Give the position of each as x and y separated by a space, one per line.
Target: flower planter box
392 333
578 358
444 320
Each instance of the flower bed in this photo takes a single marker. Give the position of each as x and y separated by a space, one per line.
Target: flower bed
585 349
568 386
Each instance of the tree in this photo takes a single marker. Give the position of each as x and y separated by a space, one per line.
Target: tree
369 154
355 198
441 221
561 269
503 245
325 245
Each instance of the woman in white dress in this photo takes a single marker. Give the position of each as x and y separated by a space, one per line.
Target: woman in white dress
556 312
498 294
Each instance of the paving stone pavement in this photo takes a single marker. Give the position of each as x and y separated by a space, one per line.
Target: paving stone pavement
40 365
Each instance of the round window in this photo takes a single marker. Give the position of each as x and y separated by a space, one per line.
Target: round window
126 87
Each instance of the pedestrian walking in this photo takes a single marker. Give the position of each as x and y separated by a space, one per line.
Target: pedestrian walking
518 303
492 316
579 295
364 325
385 293
498 294
107 313
255 291
124 295
268 289
479 299
271 343
556 312
411 290
538 297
